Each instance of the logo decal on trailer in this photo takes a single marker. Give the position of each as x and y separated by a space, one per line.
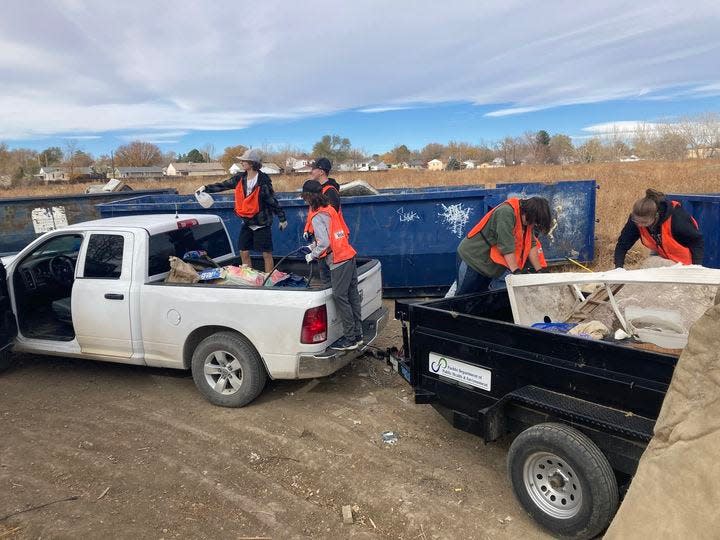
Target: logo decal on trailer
450 368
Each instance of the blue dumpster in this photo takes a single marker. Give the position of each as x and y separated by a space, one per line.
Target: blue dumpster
25 218
413 232
705 208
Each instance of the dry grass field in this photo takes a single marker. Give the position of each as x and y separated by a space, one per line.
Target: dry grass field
620 184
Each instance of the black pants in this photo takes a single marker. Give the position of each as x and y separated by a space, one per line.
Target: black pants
344 282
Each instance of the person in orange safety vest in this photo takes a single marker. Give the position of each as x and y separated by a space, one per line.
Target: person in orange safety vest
663 227
320 169
255 205
504 241
332 246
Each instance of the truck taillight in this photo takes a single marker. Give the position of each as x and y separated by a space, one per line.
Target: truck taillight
314 325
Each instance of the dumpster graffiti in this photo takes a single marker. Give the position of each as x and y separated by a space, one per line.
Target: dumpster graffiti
48 219
407 217
455 216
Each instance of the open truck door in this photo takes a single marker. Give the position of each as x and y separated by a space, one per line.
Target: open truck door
8 328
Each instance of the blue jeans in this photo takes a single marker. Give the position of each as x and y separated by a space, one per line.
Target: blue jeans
469 281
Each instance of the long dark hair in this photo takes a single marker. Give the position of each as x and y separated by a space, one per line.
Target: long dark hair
537 213
316 200
644 209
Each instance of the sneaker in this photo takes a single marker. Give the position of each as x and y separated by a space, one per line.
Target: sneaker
344 344
359 340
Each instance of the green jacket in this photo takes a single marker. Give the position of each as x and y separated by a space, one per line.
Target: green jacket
498 231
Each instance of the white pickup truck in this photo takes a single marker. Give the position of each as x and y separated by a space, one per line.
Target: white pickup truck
96 290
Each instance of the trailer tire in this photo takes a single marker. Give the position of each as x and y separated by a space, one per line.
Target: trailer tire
563 480
228 370
6 359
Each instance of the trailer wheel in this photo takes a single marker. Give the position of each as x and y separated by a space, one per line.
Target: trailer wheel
227 370
563 480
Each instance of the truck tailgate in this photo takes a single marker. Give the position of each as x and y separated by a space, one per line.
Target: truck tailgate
370 287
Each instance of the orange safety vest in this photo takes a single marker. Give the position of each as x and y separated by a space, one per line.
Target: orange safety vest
668 248
339 243
308 223
247 206
523 239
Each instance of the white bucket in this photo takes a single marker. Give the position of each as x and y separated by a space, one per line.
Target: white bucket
205 199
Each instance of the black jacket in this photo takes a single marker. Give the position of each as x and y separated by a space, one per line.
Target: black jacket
682 228
268 203
333 195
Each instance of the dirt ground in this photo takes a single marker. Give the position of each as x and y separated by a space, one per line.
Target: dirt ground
147 457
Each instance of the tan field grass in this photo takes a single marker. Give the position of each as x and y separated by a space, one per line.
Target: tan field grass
620 184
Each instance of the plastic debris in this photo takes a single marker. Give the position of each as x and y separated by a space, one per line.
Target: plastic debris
389 437
347 515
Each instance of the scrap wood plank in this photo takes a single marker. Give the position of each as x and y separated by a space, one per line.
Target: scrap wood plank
600 297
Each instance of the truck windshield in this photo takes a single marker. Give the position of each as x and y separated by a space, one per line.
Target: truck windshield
209 237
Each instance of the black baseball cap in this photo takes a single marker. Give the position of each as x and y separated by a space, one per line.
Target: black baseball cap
312 186
322 163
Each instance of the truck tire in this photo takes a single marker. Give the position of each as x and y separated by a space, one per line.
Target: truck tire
227 370
6 359
563 480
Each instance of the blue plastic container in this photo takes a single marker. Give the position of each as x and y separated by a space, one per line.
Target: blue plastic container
705 208
413 232
25 218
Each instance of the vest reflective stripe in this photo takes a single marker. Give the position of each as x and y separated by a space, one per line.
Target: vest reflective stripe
523 239
247 207
308 222
668 248
339 243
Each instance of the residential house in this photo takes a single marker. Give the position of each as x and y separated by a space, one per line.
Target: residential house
703 152
471 164
435 165
378 166
65 174
630 158
416 164
53 174
136 172
346 166
195 169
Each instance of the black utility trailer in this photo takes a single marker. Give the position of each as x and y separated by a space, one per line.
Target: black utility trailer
583 410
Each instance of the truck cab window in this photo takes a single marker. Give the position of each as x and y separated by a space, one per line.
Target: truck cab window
104 256
209 237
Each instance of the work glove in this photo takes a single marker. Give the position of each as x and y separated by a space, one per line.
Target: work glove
283 225
200 189
308 258
306 236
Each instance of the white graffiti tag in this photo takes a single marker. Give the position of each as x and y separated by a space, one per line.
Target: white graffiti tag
407 217
456 217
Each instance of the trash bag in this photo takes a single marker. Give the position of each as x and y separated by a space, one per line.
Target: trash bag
181 272
674 492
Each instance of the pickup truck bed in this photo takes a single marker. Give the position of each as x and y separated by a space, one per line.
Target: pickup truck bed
489 376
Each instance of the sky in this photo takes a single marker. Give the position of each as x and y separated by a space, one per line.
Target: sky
184 74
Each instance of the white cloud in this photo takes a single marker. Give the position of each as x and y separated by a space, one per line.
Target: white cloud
77 67
387 108
157 136
623 127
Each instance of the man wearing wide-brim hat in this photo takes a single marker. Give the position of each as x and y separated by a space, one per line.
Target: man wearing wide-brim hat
255 205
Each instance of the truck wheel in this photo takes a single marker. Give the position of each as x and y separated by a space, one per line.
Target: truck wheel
6 360
228 370
563 480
